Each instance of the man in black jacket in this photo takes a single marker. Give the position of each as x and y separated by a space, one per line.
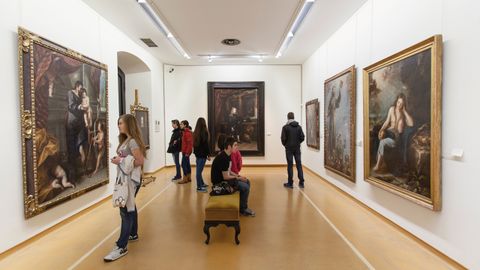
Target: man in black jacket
174 147
292 137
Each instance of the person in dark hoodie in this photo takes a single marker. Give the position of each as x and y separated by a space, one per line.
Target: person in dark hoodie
174 147
292 137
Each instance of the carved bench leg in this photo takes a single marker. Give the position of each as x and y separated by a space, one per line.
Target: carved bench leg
237 232
206 230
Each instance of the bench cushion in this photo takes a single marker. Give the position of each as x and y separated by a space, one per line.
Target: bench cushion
224 207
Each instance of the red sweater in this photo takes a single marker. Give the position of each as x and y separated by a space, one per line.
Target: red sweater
236 158
187 142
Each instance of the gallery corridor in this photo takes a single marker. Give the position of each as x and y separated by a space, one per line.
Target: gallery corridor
318 228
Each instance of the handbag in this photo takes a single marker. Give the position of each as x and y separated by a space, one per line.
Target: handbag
222 188
120 193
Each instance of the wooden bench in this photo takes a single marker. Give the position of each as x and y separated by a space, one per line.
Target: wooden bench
223 209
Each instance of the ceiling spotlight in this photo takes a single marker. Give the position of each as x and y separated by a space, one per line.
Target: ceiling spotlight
169 35
290 34
231 42
278 55
209 59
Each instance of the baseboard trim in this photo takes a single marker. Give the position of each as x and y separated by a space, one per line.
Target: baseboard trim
243 165
156 171
432 249
66 221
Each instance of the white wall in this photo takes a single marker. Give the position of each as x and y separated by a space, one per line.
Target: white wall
58 21
186 98
143 82
377 30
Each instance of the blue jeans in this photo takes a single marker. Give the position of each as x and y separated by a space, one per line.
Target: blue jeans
187 169
200 165
129 224
176 159
291 153
244 188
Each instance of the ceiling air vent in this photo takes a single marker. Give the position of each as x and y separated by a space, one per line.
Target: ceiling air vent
149 42
231 42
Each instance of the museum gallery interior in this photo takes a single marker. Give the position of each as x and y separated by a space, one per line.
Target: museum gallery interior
254 134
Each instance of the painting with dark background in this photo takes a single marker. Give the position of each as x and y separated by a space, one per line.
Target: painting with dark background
312 112
339 154
141 116
401 132
70 131
237 109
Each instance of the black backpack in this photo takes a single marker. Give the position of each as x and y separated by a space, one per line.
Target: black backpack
222 188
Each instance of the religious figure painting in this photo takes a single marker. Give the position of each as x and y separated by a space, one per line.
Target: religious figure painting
141 115
339 153
402 123
236 109
64 113
312 111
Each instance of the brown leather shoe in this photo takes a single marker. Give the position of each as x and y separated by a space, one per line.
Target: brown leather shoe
184 180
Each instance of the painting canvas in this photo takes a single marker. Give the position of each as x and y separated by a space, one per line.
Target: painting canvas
237 109
141 115
312 110
339 154
402 123
64 114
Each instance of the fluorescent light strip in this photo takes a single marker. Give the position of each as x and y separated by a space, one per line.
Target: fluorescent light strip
307 5
162 27
259 57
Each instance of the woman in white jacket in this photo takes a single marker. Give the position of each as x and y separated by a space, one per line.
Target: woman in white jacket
131 153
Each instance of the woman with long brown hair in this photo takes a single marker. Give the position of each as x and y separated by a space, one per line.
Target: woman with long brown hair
130 146
201 150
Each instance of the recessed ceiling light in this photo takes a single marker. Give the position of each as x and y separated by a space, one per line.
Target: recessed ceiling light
231 42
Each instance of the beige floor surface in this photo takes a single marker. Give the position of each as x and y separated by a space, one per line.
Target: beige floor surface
293 230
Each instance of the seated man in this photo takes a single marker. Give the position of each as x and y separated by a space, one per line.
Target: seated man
221 172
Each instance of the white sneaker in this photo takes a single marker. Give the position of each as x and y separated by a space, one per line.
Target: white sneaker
115 254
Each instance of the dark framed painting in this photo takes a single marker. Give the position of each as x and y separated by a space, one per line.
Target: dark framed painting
402 123
141 115
312 113
339 113
64 116
237 109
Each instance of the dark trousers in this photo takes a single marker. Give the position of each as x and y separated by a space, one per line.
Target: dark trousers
294 153
187 169
244 189
129 224
176 159
200 165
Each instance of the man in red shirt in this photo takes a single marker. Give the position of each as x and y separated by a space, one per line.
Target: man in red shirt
236 158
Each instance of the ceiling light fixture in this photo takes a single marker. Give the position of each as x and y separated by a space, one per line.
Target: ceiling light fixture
162 27
259 57
307 5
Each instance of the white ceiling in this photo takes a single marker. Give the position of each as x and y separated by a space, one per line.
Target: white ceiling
199 26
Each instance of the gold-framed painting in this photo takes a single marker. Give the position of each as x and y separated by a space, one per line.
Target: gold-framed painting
141 115
312 117
64 117
402 123
339 114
